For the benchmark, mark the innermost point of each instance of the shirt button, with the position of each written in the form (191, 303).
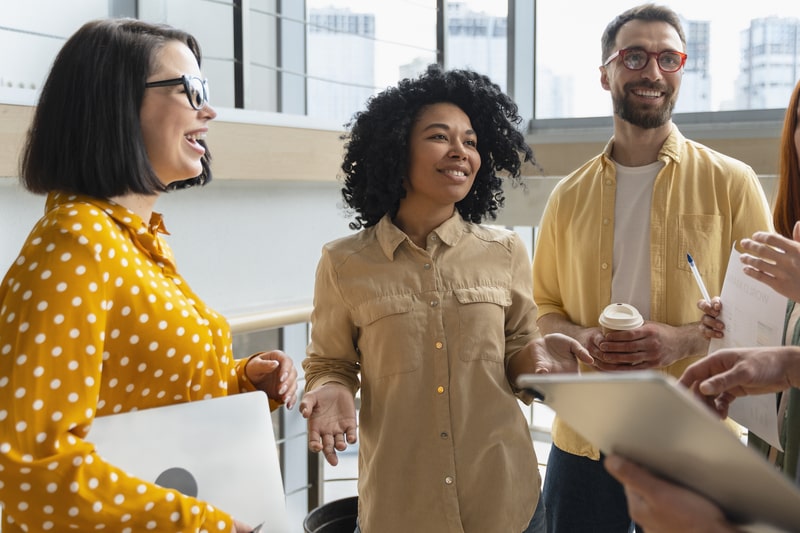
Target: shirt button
(438, 345)
(440, 389)
(448, 480)
(433, 237)
(605, 221)
(427, 266)
(604, 266)
(434, 303)
(608, 182)
(443, 435)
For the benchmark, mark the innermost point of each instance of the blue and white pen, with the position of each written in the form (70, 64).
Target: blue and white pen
(697, 278)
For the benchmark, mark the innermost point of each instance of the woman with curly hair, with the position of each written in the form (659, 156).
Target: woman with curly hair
(431, 315)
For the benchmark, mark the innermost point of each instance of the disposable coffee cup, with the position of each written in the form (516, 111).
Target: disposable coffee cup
(620, 317)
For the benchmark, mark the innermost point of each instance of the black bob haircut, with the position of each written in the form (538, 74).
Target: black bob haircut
(86, 134)
(377, 143)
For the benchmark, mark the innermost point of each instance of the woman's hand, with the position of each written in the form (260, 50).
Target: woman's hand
(274, 373)
(774, 260)
(331, 413)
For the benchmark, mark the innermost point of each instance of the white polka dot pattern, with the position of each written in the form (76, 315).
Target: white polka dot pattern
(95, 320)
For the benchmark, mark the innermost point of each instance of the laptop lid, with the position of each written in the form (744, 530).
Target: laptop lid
(221, 451)
(650, 418)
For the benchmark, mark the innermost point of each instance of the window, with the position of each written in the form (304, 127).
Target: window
(726, 49)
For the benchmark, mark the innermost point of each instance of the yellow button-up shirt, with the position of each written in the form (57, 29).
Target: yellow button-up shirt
(702, 203)
(444, 445)
(95, 320)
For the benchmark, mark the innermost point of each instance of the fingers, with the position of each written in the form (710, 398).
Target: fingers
(314, 441)
(584, 356)
(329, 449)
(328, 444)
(288, 387)
(307, 407)
(275, 373)
(712, 308)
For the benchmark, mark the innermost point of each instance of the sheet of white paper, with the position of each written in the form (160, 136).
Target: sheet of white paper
(753, 314)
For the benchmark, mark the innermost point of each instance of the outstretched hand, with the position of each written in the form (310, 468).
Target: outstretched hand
(559, 353)
(721, 377)
(331, 413)
(553, 353)
(774, 260)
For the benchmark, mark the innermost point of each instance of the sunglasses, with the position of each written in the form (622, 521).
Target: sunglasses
(196, 89)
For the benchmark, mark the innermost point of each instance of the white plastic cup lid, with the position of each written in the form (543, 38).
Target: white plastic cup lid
(621, 316)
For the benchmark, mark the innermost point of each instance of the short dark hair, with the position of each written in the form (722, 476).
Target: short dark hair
(377, 143)
(645, 12)
(86, 135)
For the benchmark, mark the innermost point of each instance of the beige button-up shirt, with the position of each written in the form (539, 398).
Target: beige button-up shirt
(443, 443)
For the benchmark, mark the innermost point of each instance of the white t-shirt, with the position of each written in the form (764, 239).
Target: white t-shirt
(630, 279)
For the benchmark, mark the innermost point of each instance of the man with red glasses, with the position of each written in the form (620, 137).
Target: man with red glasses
(619, 229)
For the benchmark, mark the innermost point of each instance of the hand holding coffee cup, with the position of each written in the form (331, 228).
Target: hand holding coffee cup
(620, 317)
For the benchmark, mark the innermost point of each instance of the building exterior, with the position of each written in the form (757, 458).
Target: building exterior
(770, 63)
(696, 85)
(478, 41)
(340, 62)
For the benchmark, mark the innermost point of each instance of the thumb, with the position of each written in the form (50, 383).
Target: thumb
(265, 366)
(713, 385)
(796, 231)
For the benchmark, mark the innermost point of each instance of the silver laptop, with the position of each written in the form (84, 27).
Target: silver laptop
(651, 419)
(221, 451)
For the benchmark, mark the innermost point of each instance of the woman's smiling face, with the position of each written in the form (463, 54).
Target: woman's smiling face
(443, 156)
(170, 125)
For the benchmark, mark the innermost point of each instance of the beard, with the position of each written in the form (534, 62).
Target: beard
(644, 117)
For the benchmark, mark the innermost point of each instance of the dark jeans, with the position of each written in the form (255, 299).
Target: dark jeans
(538, 522)
(580, 496)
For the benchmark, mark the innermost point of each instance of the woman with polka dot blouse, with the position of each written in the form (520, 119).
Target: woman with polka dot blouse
(94, 317)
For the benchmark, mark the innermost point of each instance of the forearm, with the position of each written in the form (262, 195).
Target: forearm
(558, 323)
(793, 365)
(690, 341)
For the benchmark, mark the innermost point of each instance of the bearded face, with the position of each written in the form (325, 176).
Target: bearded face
(631, 103)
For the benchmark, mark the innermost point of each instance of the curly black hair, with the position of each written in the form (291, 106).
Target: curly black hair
(377, 143)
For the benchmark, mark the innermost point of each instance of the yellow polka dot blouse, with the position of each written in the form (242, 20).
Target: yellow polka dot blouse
(95, 320)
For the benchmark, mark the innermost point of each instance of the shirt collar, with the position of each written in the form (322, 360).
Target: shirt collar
(390, 237)
(122, 215)
(669, 150)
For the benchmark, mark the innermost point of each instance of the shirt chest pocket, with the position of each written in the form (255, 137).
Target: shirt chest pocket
(701, 235)
(481, 323)
(389, 337)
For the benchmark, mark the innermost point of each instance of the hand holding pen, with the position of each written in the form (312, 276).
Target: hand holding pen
(698, 278)
(710, 325)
